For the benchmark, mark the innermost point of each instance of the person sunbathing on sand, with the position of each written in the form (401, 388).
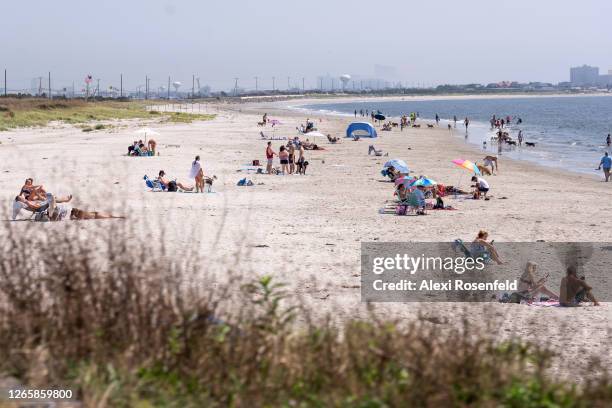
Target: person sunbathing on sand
(529, 287)
(76, 214)
(575, 290)
(480, 246)
(171, 185)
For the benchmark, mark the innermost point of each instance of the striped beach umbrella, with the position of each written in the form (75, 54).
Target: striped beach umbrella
(468, 165)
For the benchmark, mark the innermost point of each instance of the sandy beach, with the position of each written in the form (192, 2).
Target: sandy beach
(307, 230)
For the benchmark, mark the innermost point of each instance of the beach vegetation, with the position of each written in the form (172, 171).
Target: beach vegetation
(34, 112)
(99, 315)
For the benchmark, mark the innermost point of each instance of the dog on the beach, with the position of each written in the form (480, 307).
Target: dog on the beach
(450, 127)
(511, 142)
(530, 144)
(416, 126)
(301, 167)
(261, 124)
(394, 124)
(430, 126)
(484, 170)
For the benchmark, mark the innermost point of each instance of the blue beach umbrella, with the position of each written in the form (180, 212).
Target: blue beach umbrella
(398, 165)
(424, 181)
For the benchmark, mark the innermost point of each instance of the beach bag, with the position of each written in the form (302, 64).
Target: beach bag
(401, 210)
(256, 163)
(172, 187)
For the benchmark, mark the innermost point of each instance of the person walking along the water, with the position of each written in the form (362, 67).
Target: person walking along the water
(606, 164)
(608, 140)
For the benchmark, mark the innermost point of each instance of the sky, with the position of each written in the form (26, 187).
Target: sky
(428, 42)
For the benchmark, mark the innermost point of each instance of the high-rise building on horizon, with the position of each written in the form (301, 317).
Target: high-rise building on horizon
(584, 76)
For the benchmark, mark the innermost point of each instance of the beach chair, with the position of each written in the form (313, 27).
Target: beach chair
(460, 246)
(154, 185)
(39, 215)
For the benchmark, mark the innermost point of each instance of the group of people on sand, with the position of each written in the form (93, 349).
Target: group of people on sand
(573, 289)
(138, 148)
(292, 157)
(196, 173)
(47, 207)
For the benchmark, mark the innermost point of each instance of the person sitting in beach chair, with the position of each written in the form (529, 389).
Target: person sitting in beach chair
(529, 287)
(481, 248)
(171, 185)
(575, 290)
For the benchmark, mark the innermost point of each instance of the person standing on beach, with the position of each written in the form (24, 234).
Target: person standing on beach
(270, 157)
(197, 174)
(437, 120)
(606, 163)
(466, 122)
(455, 120)
(355, 112)
(608, 140)
(520, 138)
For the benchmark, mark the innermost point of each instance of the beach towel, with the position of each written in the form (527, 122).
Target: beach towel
(195, 169)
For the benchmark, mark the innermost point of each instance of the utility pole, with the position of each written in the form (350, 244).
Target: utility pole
(146, 87)
(5, 92)
(273, 84)
(256, 84)
(321, 84)
(168, 88)
(303, 84)
(121, 87)
(98, 87)
(50, 85)
(193, 86)
(236, 87)
(288, 85)
(39, 86)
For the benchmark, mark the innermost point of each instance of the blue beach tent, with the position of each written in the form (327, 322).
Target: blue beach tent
(361, 127)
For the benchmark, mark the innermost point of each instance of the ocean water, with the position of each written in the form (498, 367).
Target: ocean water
(569, 132)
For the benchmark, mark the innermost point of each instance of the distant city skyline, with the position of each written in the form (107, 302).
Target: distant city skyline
(428, 43)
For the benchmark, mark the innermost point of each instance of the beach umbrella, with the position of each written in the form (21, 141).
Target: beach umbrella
(405, 180)
(468, 165)
(314, 134)
(146, 131)
(423, 181)
(398, 165)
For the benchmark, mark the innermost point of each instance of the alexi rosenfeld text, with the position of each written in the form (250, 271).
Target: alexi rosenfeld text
(413, 265)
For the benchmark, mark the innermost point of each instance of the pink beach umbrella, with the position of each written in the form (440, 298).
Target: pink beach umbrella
(468, 165)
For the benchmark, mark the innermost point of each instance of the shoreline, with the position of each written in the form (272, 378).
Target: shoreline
(482, 128)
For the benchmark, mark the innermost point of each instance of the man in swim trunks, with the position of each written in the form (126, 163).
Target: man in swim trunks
(575, 290)
(270, 157)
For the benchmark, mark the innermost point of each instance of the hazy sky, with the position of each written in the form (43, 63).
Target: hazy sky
(441, 41)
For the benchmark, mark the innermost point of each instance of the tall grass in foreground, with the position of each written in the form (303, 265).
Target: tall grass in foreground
(17, 113)
(118, 322)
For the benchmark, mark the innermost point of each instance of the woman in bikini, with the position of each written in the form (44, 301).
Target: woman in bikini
(529, 287)
(283, 155)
